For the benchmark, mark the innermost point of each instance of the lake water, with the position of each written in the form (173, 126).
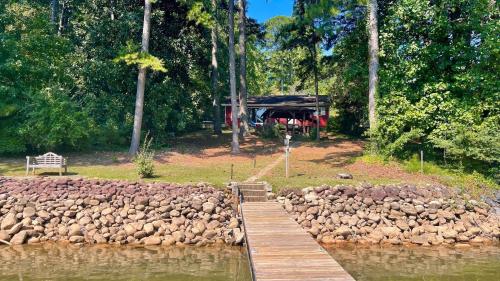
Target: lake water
(68, 262)
(376, 263)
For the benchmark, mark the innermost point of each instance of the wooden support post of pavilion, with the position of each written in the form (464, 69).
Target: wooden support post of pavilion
(303, 123)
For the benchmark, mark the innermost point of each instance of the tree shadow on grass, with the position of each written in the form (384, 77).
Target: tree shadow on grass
(55, 173)
(337, 159)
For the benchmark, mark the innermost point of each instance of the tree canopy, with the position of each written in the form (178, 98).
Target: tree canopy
(68, 72)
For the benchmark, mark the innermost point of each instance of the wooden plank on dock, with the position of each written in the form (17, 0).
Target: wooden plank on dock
(280, 250)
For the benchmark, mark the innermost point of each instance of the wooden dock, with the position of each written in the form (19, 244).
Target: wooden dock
(280, 250)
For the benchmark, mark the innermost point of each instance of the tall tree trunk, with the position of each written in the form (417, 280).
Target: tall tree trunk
(235, 146)
(214, 74)
(316, 93)
(141, 82)
(112, 9)
(373, 62)
(54, 5)
(243, 70)
(62, 19)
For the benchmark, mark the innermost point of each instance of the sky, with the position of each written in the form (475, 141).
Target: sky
(262, 10)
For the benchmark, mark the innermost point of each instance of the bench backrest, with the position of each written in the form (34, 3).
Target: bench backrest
(50, 159)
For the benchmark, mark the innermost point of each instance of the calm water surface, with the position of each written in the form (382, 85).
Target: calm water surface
(68, 262)
(419, 263)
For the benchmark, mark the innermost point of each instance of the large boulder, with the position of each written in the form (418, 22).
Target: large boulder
(19, 238)
(208, 207)
(8, 221)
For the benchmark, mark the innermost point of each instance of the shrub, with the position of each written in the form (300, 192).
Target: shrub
(144, 159)
(313, 133)
(272, 130)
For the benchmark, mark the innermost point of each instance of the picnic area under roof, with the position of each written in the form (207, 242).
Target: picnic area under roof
(283, 101)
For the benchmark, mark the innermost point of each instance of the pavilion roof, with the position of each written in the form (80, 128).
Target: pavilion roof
(283, 101)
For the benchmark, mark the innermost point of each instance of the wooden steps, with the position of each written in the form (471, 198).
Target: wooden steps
(253, 192)
(280, 250)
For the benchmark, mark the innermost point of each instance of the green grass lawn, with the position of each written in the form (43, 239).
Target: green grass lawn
(218, 174)
(205, 158)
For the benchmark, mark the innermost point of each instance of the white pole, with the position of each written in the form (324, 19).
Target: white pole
(421, 161)
(286, 162)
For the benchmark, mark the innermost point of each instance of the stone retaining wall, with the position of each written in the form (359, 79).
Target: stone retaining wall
(120, 212)
(117, 212)
(391, 214)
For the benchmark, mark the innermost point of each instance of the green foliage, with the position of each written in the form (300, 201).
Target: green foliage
(68, 91)
(199, 14)
(54, 121)
(272, 131)
(435, 80)
(348, 82)
(144, 160)
(281, 66)
(313, 133)
(479, 142)
(131, 56)
(439, 63)
(438, 87)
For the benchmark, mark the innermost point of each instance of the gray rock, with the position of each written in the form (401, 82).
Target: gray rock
(149, 228)
(368, 201)
(420, 239)
(74, 230)
(374, 217)
(107, 211)
(233, 223)
(434, 204)
(208, 207)
(93, 202)
(19, 238)
(179, 236)
(209, 234)
(168, 240)
(63, 230)
(140, 234)
(99, 239)
(4, 235)
(312, 210)
(343, 231)
(28, 212)
(394, 206)
(390, 231)
(310, 197)
(449, 234)
(314, 231)
(408, 209)
(402, 225)
(174, 213)
(43, 214)
(129, 229)
(152, 240)
(345, 176)
(8, 221)
(76, 239)
(15, 229)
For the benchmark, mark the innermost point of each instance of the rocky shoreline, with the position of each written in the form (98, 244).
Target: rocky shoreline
(402, 214)
(115, 212)
(85, 211)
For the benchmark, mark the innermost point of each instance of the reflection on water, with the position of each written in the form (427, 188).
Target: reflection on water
(419, 263)
(67, 262)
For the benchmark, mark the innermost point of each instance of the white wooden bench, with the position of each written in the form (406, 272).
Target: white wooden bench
(48, 160)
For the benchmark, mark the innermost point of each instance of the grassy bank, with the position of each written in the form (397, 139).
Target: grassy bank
(202, 157)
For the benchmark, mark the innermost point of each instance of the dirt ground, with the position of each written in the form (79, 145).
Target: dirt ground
(205, 157)
(315, 164)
